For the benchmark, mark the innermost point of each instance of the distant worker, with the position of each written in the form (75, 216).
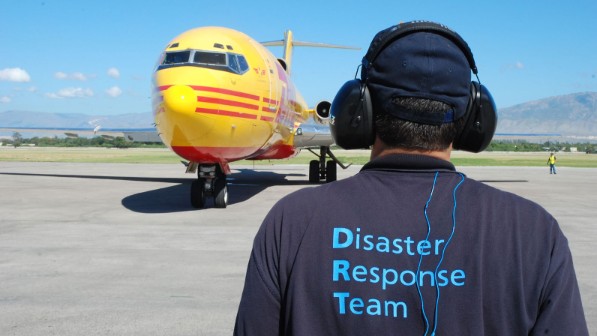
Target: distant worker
(551, 161)
(409, 245)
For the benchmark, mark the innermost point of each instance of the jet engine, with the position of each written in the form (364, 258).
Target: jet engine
(322, 111)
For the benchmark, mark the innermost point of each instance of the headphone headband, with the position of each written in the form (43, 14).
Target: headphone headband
(352, 111)
(389, 35)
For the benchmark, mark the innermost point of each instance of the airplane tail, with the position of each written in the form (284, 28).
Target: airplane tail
(288, 43)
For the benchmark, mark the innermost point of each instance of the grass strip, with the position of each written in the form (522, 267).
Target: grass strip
(165, 156)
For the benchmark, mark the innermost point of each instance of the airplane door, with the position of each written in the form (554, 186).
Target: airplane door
(273, 91)
(267, 72)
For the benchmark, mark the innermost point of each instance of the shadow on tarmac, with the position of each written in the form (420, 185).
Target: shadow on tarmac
(243, 184)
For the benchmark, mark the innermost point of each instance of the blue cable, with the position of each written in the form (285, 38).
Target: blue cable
(435, 313)
(421, 255)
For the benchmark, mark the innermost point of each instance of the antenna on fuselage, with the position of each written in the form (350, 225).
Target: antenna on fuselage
(288, 42)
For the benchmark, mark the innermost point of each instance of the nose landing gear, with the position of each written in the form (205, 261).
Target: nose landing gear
(211, 178)
(211, 181)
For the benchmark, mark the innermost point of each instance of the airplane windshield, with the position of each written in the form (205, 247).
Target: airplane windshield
(177, 57)
(209, 58)
(229, 62)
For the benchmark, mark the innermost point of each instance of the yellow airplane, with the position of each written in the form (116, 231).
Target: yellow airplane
(219, 96)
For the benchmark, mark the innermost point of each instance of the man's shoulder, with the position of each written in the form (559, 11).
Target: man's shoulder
(482, 189)
(321, 201)
(480, 194)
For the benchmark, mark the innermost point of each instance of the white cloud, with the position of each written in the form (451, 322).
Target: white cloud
(53, 95)
(29, 89)
(74, 76)
(79, 76)
(71, 93)
(114, 91)
(5, 99)
(60, 75)
(114, 73)
(518, 65)
(14, 75)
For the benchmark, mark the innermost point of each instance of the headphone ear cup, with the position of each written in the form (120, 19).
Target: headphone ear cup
(481, 121)
(351, 116)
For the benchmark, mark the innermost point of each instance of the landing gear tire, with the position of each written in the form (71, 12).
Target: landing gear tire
(221, 193)
(197, 194)
(330, 171)
(314, 171)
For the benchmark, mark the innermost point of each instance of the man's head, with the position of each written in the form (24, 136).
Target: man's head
(419, 86)
(415, 81)
(398, 133)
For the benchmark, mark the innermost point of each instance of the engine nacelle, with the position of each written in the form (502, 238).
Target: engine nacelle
(322, 111)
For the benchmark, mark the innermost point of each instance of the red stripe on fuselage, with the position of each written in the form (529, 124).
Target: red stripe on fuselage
(225, 91)
(268, 109)
(227, 102)
(216, 90)
(270, 101)
(272, 105)
(226, 113)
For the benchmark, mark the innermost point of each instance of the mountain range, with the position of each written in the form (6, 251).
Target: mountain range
(570, 115)
(26, 119)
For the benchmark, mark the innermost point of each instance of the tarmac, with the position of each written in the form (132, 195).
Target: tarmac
(117, 249)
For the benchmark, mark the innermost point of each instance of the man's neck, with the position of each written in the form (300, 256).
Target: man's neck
(380, 149)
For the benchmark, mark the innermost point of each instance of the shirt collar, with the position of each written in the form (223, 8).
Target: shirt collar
(408, 162)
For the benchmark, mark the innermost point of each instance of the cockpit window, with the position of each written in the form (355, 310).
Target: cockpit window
(230, 62)
(233, 63)
(242, 62)
(177, 57)
(209, 58)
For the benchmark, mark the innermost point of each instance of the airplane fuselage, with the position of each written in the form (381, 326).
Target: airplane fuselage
(220, 96)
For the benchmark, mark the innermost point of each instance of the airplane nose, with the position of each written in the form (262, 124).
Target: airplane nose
(180, 98)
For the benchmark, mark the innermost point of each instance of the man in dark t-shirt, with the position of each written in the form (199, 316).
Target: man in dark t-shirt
(409, 245)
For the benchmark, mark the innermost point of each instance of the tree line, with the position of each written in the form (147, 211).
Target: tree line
(549, 146)
(98, 141)
(120, 142)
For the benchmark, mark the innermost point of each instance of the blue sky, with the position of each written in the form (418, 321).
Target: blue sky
(97, 57)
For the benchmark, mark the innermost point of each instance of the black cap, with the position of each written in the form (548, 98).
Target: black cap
(422, 64)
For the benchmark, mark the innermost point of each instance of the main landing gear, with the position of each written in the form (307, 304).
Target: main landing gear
(322, 170)
(211, 181)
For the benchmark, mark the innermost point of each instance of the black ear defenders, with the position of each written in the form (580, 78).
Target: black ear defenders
(352, 116)
(481, 121)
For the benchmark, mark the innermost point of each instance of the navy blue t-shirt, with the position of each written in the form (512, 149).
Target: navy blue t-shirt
(409, 246)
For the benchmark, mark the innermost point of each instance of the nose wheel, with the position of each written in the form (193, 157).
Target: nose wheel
(210, 182)
(221, 193)
(197, 194)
